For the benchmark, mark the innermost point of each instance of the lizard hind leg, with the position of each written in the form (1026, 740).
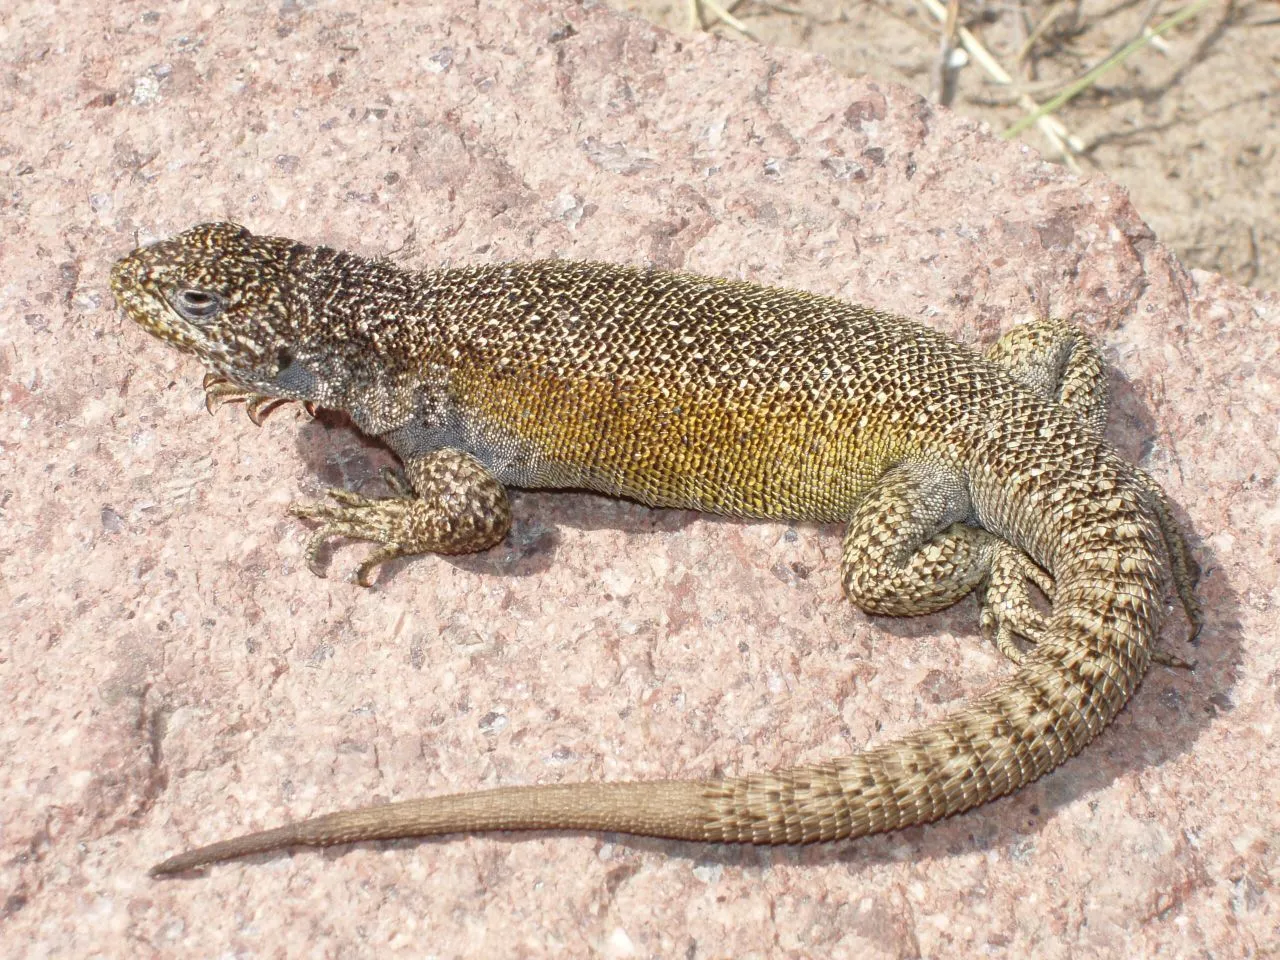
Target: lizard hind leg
(906, 553)
(1186, 572)
(447, 503)
(1059, 361)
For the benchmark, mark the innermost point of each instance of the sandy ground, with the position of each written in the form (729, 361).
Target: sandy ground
(1190, 125)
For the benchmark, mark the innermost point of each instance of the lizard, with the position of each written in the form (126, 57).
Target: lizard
(955, 471)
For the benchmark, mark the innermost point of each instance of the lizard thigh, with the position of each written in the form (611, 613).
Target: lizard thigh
(905, 552)
(1059, 361)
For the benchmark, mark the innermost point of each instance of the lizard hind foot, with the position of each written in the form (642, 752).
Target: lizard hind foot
(1009, 613)
(1008, 609)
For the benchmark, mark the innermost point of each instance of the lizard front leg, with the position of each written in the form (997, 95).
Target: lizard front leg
(449, 503)
(905, 553)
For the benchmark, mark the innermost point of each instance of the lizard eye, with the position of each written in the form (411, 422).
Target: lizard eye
(197, 305)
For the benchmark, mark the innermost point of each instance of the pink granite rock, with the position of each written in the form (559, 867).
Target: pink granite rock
(172, 674)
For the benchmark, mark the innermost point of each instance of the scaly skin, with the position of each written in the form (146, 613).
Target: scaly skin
(954, 471)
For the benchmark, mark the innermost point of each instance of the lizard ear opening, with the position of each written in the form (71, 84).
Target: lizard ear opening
(197, 305)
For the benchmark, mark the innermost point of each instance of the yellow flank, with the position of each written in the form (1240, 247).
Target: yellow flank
(718, 457)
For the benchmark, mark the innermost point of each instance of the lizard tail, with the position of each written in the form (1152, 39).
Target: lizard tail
(1107, 607)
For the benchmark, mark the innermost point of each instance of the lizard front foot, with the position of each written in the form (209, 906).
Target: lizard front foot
(448, 504)
(381, 520)
(218, 390)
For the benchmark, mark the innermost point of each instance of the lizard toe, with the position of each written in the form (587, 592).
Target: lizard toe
(1009, 611)
(384, 521)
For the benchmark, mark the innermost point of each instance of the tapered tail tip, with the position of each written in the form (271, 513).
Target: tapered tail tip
(170, 867)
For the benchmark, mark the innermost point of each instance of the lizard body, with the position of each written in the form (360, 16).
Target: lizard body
(955, 471)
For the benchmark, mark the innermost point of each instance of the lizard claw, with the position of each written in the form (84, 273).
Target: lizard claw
(1008, 611)
(259, 407)
(397, 482)
(218, 390)
(1167, 659)
(380, 520)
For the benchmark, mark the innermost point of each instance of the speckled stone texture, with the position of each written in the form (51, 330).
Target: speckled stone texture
(172, 674)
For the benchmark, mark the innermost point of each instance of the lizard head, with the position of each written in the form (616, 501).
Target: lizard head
(223, 294)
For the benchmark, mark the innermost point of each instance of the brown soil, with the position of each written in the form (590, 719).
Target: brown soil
(1190, 124)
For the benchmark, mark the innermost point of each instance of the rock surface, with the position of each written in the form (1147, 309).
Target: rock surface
(172, 674)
